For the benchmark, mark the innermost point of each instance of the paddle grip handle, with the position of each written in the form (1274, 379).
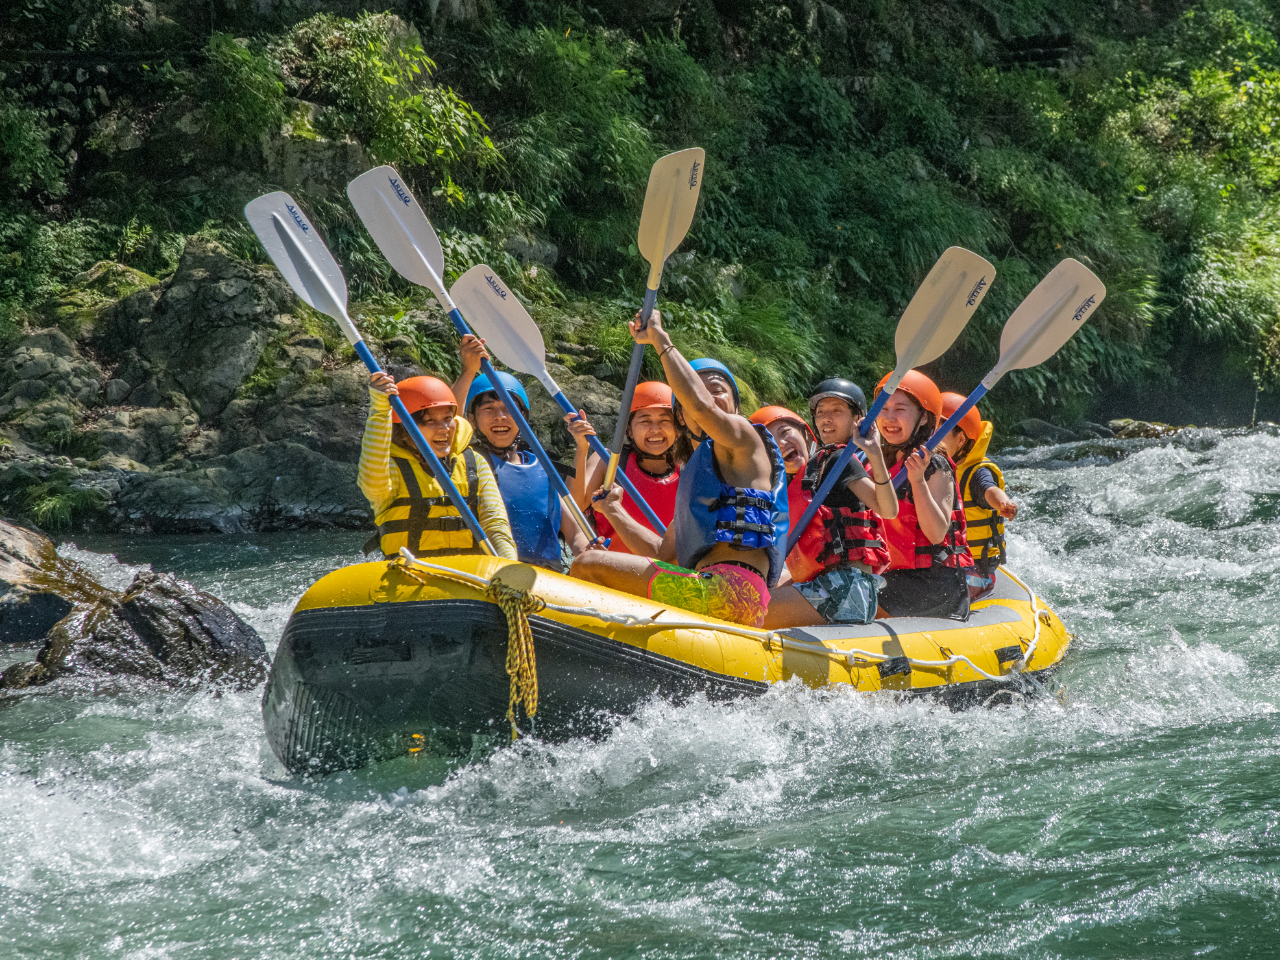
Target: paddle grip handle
(602, 452)
(433, 462)
(646, 308)
(951, 423)
(553, 475)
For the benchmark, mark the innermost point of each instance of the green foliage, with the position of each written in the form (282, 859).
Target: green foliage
(54, 505)
(436, 357)
(243, 94)
(26, 161)
(376, 77)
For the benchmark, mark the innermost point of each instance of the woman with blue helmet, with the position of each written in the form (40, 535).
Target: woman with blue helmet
(537, 519)
(724, 550)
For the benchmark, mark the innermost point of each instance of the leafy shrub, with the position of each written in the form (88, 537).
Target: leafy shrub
(243, 94)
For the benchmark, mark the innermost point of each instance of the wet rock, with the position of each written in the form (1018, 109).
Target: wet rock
(37, 587)
(1043, 431)
(160, 629)
(1096, 430)
(201, 332)
(272, 486)
(1140, 429)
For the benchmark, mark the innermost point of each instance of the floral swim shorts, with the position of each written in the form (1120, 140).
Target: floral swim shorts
(725, 591)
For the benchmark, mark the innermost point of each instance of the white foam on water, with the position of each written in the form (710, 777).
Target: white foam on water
(103, 567)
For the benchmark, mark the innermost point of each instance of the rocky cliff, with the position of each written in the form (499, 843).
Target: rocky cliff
(211, 401)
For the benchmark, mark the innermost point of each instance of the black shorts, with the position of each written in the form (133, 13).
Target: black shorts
(935, 592)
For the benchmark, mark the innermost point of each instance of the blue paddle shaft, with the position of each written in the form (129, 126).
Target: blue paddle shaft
(600, 451)
(433, 462)
(633, 374)
(835, 472)
(553, 475)
(952, 422)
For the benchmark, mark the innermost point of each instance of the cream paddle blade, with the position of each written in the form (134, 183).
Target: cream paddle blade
(670, 201)
(399, 227)
(1043, 322)
(941, 307)
(1046, 319)
(669, 204)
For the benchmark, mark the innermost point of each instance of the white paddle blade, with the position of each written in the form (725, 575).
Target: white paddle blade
(1051, 313)
(669, 204)
(941, 307)
(301, 256)
(399, 227)
(498, 317)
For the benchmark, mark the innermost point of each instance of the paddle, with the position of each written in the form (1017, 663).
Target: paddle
(669, 203)
(930, 324)
(309, 268)
(1043, 322)
(406, 238)
(515, 339)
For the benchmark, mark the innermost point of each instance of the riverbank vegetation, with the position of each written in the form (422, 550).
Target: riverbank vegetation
(848, 144)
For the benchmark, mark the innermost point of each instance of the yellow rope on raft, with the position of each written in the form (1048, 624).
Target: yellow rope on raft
(522, 662)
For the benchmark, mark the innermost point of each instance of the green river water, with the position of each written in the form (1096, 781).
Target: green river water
(1136, 815)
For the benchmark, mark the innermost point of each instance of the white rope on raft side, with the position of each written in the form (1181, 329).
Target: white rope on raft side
(764, 637)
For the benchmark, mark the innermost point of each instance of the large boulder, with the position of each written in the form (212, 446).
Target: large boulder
(160, 629)
(37, 586)
(43, 366)
(200, 333)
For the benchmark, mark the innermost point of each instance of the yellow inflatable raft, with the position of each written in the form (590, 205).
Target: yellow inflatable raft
(382, 659)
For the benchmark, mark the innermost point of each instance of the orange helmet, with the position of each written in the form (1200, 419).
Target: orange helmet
(420, 393)
(970, 423)
(921, 387)
(767, 415)
(651, 393)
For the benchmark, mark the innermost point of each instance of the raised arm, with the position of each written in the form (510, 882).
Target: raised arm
(732, 433)
(878, 493)
(471, 351)
(588, 469)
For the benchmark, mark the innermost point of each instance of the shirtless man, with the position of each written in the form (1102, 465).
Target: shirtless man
(729, 532)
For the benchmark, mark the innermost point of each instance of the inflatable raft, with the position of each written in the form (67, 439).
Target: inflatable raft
(388, 658)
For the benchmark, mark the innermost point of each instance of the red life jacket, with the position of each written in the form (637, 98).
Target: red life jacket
(909, 548)
(658, 492)
(802, 560)
(845, 532)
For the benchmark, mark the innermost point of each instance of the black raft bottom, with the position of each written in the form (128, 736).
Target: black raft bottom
(350, 685)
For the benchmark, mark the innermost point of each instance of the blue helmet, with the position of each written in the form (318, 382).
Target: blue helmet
(706, 363)
(481, 385)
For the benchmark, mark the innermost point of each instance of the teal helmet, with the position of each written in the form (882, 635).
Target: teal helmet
(481, 385)
(706, 363)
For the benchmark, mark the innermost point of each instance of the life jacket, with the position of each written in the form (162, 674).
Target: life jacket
(801, 561)
(847, 530)
(985, 531)
(909, 548)
(533, 508)
(709, 511)
(658, 492)
(429, 526)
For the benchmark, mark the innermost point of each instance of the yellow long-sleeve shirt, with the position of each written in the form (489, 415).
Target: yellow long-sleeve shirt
(382, 484)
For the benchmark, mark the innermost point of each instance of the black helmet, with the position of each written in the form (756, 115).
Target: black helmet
(842, 389)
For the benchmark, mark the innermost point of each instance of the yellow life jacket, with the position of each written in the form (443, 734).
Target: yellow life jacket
(421, 517)
(985, 526)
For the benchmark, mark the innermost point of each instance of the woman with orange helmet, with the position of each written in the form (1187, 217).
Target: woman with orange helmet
(927, 547)
(986, 505)
(648, 460)
(409, 506)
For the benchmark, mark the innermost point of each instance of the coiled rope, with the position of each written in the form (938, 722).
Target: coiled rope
(522, 659)
(767, 638)
(522, 662)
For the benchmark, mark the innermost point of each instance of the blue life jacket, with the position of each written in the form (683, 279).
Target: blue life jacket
(709, 511)
(533, 509)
